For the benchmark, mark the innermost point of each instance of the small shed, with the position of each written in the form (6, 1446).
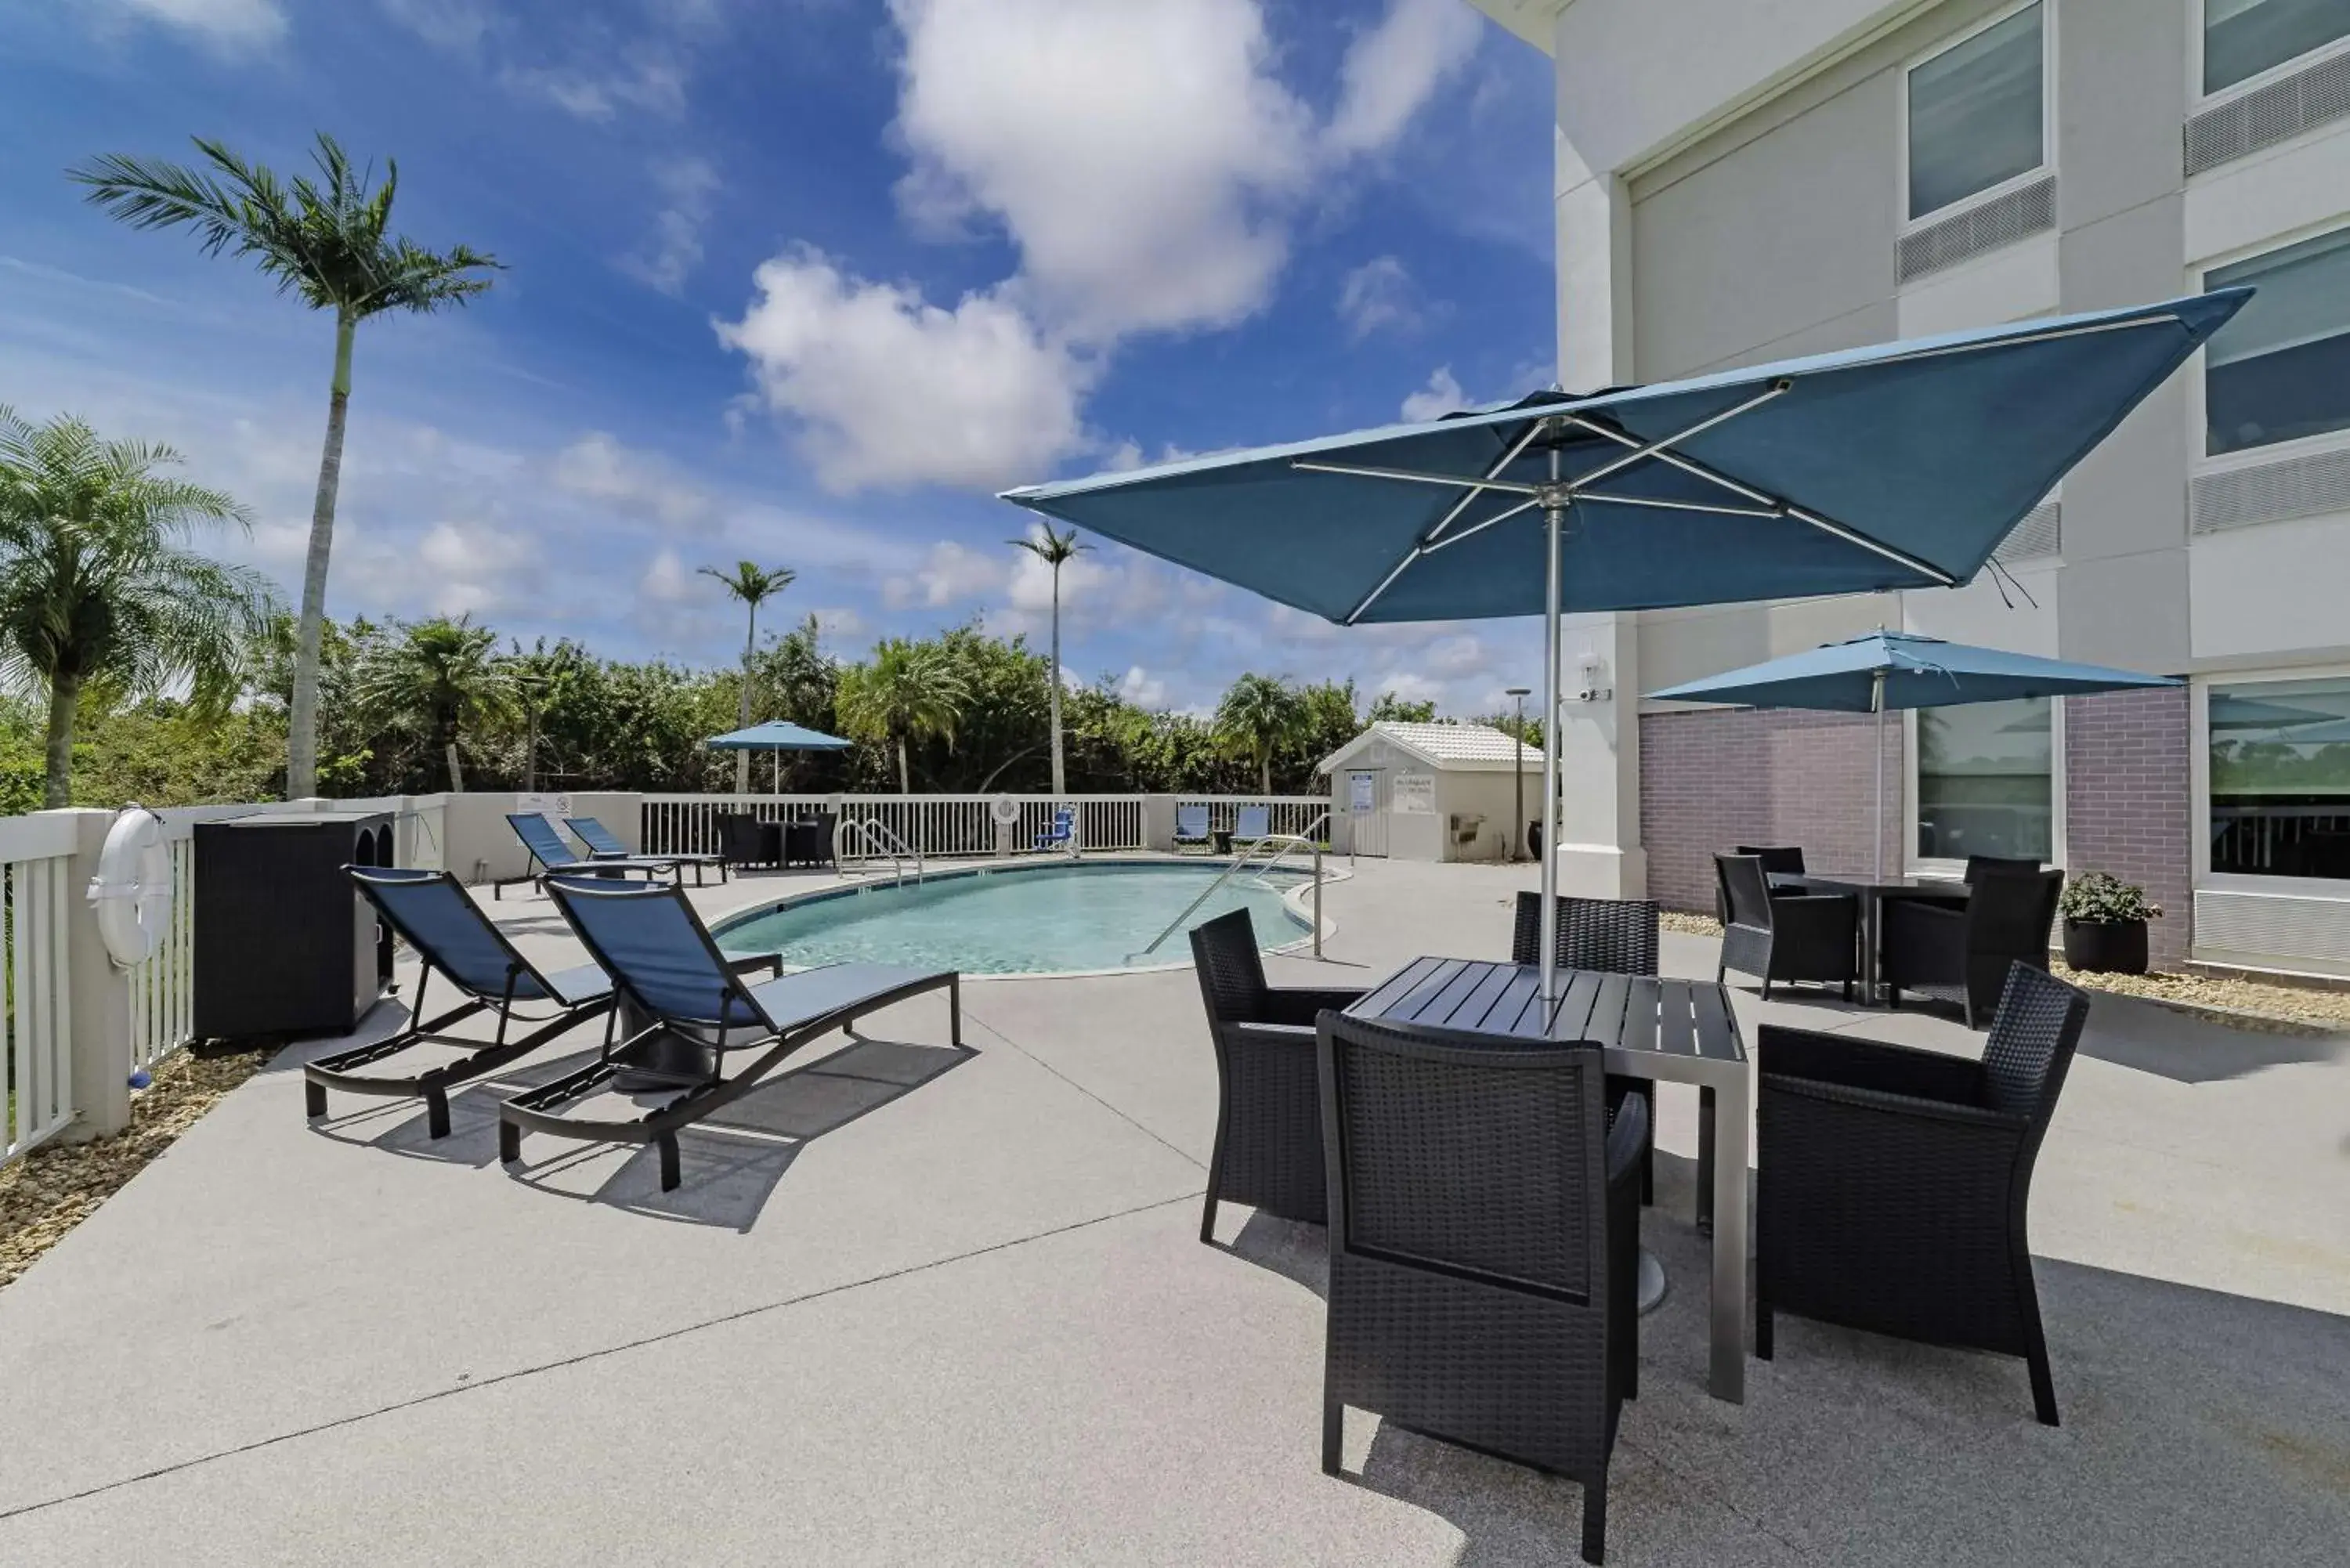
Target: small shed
(1431, 792)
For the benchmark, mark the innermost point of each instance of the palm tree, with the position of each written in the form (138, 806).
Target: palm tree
(1258, 716)
(325, 240)
(1055, 550)
(907, 692)
(437, 677)
(754, 585)
(95, 587)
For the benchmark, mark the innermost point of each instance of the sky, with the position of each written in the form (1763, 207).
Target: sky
(803, 282)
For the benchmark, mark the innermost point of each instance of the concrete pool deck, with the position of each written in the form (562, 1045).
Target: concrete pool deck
(922, 1306)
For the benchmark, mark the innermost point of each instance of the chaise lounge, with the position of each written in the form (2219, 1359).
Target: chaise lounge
(549, 855)
(603, 843)
(436, 918)
(688, 1007)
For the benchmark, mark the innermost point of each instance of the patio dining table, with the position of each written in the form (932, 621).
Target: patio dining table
(1666, 1030)
(1874, 893)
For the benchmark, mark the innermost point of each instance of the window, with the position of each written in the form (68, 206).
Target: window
(2241, 38)
(2281, 370)
(1987, 781)
(1977, 114)
(2281, 779)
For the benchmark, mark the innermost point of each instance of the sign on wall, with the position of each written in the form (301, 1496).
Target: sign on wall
(552, 805)
(1359, 797)
(1414, 793)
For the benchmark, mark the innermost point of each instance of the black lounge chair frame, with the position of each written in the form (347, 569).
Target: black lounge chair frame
(641, 1054)
(585, 829)
(342, 1073)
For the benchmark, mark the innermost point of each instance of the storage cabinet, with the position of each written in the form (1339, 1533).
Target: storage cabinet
(284, 946)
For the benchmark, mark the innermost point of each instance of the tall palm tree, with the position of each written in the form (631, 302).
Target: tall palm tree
(95, 585)
(1056, 550)
(439, 677)
(907, 692)
(1257, 717)
(754, 585)
(325, 240)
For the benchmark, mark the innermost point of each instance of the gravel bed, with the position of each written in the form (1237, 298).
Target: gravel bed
(1691, 925)
(53, 1189)
(2302, 1004)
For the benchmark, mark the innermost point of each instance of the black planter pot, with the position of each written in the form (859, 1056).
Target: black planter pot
(2116, 949)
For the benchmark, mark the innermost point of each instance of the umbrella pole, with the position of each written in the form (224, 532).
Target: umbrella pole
(1876, 700)
(1553, 518)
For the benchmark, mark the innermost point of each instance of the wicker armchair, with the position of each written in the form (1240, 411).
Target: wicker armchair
(1894, 1183)
(1777, 861)
(1612, 935)
(1785, 936)
(1962, 954)
(1484, 1236)
(1268, 1151)
(744, 840)
(1977, 864)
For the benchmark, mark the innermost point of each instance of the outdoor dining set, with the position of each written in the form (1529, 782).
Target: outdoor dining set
(1478, 1148)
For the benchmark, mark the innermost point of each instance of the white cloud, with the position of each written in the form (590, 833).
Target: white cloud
(1442, 396)
(1378, 294)
(1142, 689)
(1390, 71)
(598, 467)
(850, 359)
(643, 76)
(949, 574)
(1138, 154)
(839, 621)
(226, 25)
(674, 248)
(1410, 686)
(464, 568)
(457, 26)
(667, 581)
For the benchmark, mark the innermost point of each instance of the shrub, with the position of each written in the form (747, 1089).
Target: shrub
(2101, 898)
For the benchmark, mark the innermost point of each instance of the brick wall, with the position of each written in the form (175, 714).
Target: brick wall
(2129, 802)
(1711, 781)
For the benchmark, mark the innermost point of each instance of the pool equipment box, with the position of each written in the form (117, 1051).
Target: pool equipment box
(283, 944)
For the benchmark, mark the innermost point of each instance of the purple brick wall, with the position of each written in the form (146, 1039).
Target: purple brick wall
(2129, 803)
(1711, 781)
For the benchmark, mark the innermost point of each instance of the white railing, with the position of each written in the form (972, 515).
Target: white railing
(36, 1027)
(931, 826)
(162, 988)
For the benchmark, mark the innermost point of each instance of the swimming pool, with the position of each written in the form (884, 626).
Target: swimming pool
(1039, 920)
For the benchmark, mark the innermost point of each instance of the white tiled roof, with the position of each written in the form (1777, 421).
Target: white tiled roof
(1465, 746)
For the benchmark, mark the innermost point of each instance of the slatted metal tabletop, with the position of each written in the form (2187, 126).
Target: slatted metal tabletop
(1668, 1030)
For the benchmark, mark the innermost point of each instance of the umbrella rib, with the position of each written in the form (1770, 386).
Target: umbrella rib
(1449, 481)
(1499, 466)
(1656, 448)
(1470, 533)
(1678, 505)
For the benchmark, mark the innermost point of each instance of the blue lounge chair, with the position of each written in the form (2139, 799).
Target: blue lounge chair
(1064, 831)
(689, 1006)
(1253, 823)
(549, 855)
(1192, 826)
(603, 843)
(432, 913)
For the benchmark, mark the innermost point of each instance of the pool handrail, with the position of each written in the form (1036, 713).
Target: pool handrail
(870, 838)
(1281, 844)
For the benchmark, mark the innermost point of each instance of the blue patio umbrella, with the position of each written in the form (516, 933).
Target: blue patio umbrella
(778, 735)
(1901, 466)
(1890, 672)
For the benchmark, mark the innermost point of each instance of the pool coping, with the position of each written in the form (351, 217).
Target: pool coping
(1295, 900)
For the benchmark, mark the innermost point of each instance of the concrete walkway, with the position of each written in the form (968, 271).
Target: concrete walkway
(915, 1304)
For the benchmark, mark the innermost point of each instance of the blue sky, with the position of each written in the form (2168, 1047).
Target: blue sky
(804, 281)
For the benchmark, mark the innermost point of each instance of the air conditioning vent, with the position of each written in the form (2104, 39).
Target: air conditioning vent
(2270, 492)
(2273, 930)
(2017, 215)
(2040, 534)
(2277, 112)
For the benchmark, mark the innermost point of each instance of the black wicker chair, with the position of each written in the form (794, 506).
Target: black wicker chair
(1484, 1236)
(1781, 860)
(1268, 1151)
(1979, 863)
(1785, 936)
(744, 840)
(1894, 1183)
(1962, 954)
(1612, 935)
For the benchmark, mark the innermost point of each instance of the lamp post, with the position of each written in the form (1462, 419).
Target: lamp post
(1518, 773)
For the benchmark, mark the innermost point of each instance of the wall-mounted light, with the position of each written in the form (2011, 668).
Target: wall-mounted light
(1596, 686)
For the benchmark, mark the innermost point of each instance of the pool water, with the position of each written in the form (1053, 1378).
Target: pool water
(1048, 920)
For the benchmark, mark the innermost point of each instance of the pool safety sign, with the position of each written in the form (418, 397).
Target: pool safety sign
(1415, 793)
(1360, 795)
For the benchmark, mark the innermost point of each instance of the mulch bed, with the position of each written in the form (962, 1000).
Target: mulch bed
(53, 1189)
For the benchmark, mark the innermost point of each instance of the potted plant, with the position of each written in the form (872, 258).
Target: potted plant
(2104, 923)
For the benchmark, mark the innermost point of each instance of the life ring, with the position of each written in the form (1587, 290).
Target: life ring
(1005, 810)
(132, 889)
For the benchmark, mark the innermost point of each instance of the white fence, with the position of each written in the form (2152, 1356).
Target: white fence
(37, 1048)
(1289, 813)
(946, 824)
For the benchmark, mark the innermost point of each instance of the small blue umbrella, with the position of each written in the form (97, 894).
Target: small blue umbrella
(1890, 672)
(1900, 466)
(778, 735)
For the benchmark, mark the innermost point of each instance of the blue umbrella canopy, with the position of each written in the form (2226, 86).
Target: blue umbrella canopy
(1898, 466)
(1917, 671)
(778, 735)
